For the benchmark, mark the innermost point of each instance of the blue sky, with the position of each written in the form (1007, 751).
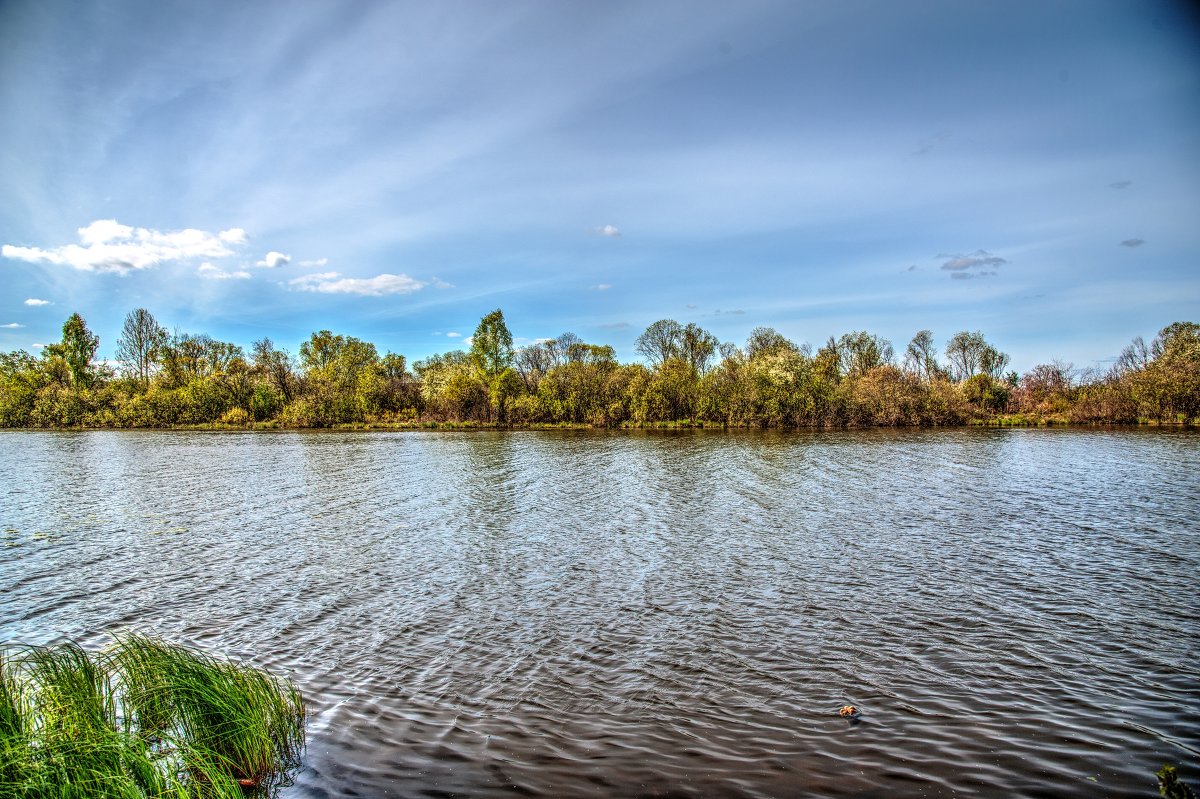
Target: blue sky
(394, 170)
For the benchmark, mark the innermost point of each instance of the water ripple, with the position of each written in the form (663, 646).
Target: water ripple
(650, 614)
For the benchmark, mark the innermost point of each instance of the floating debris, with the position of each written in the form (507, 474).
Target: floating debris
(849, 712)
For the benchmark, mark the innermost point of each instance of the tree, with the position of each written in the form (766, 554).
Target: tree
(766, 341)
(861, 352)
(697, 346)
(661, 341)
(275, 367)
(920, 356)
(667, 339)
(142, 339)
(492, 355)
(76, 350)
(970, 354)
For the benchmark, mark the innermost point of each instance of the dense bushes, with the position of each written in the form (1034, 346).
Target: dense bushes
(854, 380)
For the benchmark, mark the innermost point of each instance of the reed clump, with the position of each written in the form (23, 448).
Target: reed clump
(142, 719)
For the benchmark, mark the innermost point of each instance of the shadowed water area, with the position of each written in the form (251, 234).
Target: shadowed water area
(640, 614)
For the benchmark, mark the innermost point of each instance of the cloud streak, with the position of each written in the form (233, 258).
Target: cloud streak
(1133, 242)
(36, 303)
(378, 286)
(959, 262)
(210, 272)
(107, 246)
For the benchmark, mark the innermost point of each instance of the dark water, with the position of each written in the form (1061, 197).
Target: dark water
(590, 614)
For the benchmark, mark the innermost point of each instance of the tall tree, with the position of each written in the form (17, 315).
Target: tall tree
(77, 349)
(920, 356)
(139, 347)
(661, 341)
(697, 346)
(970, 354)
(492, 355)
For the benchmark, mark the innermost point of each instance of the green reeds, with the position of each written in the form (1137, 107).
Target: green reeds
(142, 719)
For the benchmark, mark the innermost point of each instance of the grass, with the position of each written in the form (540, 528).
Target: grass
(142, 719)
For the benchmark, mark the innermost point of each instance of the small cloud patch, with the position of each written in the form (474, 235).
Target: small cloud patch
(274, 260)
(615, 326)
(1133, 242)
(12, 326)
(609, 230)
(1120, 184)
(602, 287)
(36, 303)
(453, 335)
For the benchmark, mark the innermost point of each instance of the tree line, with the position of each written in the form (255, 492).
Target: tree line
(163, 379)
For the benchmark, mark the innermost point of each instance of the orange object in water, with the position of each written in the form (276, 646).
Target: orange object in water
(849, 712)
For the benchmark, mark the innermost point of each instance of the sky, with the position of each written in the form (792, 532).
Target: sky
(396, 170)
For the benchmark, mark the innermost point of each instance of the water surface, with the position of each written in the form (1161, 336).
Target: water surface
(640, 614)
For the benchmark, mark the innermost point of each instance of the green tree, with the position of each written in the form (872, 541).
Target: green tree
(77, 349)
(492, 355)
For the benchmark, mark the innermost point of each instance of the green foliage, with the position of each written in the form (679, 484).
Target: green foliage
(853, 380)
(144, 719)
(1170, 786)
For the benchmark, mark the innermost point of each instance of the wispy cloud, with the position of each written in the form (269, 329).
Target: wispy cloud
(1133, 242)
(108, 246)
(609, 230)
(958, 262)
(274, 260)
(980, 263)
(316, 263)
(1121, 184)
(12, 326)
(602, 287)
(35, 302)
(453, 335)
(614, 326)
(378, 286)
(210, 272)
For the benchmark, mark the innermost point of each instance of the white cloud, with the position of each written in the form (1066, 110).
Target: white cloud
(454, 335)
(317, 262)
(210, 272)
(38, 346)
(378, 286)
(273, 260)
(36, 302)
(608, 230)
(12, 326)
(603, 287)
(109, 246)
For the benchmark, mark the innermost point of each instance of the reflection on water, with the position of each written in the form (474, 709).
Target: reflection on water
(618, 614)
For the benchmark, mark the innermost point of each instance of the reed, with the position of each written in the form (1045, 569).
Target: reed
(142, 719)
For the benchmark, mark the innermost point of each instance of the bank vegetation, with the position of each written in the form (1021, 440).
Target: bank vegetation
(688, 377)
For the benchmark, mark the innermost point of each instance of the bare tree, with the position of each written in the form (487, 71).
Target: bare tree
(140, 345)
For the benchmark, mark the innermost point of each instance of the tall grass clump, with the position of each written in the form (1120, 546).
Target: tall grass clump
(142, 719)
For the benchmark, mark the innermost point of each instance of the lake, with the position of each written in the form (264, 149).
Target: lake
(675, 614)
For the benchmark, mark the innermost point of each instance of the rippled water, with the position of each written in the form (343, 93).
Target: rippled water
(639, 614)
